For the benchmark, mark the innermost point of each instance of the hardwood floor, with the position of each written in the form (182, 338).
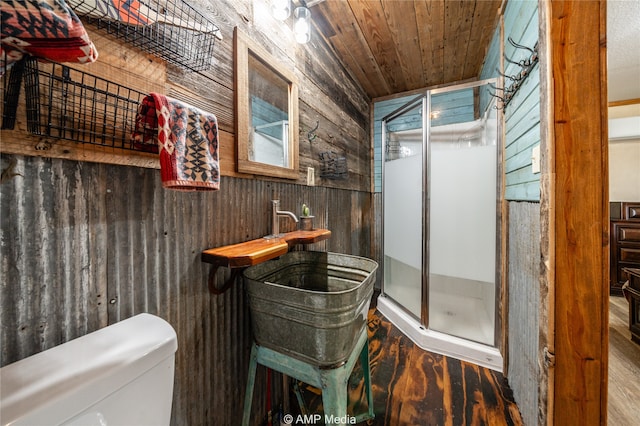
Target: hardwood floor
(413, 387)
(624, 367)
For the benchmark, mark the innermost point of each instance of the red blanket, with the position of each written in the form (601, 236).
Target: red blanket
(47, 29)
(186, 139)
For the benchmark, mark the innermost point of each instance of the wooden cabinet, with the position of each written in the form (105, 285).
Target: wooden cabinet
(624, 245)
(632, 293)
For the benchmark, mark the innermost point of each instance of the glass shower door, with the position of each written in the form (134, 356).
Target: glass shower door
(403, 207)
(441, 233)
(462, 205)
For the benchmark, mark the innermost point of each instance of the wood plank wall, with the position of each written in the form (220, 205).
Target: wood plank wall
(89, 236)
(85, 245)
(522, 115)
(327, 95)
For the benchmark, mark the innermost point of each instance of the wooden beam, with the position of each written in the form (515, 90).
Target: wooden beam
(546, 348)
(578, 212)
(625, 102)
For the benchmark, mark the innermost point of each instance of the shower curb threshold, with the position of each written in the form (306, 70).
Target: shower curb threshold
(433, 341)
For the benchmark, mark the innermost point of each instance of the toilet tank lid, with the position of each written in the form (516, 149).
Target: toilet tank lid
(103, 360)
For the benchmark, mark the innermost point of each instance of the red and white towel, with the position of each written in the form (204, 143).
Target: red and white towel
(47, 29)
(186, 139)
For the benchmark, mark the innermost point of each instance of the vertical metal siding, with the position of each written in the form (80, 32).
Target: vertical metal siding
(51, 291)
(524, 306)
(84, 245)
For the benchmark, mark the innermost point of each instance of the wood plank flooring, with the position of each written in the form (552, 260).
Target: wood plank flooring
(624, 367)
(413, 387)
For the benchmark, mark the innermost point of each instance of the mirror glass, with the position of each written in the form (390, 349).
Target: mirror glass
(267, 114)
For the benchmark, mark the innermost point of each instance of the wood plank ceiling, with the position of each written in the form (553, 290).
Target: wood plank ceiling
(393, 46)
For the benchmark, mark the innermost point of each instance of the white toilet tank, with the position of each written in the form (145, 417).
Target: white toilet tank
(119, 375)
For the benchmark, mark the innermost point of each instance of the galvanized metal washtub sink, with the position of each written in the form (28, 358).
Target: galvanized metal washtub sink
(311, 305)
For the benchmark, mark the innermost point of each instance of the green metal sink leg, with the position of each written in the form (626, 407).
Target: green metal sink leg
(333, 382)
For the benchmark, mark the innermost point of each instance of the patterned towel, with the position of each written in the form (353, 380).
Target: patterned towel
(47, 29)
(187, 140)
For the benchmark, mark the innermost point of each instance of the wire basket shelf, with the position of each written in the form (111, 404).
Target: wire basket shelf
(170, 29)
(64, 103)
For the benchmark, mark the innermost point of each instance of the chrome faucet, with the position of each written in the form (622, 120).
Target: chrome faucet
(276, 213)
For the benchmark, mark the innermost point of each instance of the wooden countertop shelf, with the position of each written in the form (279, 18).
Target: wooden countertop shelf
(242, 255)
(245, 254)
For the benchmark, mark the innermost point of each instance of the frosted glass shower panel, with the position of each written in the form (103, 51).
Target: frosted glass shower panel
(403, 208)
(463, 212)
(462, 218)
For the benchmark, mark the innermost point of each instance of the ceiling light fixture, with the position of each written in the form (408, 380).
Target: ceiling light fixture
(281, 9)
(302, 24)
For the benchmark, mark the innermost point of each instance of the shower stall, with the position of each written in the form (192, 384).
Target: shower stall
(441, 195)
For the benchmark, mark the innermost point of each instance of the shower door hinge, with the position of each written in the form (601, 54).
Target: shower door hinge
(549, 358)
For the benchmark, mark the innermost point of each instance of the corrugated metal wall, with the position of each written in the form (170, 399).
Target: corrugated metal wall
(84, 245)
(524, 306)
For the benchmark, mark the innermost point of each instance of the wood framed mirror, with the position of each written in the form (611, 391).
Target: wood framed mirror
(266, 112)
